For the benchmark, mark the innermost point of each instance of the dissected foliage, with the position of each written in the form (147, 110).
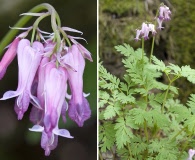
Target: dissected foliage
(142, 117)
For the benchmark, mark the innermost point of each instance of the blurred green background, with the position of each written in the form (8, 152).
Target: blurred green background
(118, 21)
(16, 141)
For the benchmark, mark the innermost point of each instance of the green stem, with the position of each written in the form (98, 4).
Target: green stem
(146, 131)
(54, 17)
(58, 19)
(173, 139)
(186, 142)
(54, 26)
(12, 33)
(170, 82)
(129, 149)
(165, 98)
(100, 155)
(65, 36)
(142, 48)
(152, 49)
(35, 25)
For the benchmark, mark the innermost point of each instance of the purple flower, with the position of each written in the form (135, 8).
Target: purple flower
(159, 23)
(145, 31)
(8, 57)
(152, 28)
(161, 12)
(138, 33)
(191, 153)
(28, 61)
(78, 109)
(36, 115)
(167, 13)
(55, 86)
(164, 13)
(86, 54)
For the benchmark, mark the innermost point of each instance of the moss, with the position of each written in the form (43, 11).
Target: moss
(119, 19)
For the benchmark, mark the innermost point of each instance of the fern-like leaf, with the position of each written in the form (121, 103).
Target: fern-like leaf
(123, 133)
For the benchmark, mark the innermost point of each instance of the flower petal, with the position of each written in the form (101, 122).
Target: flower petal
(35, 101)
(10, 94)
(62, 132)
(37, 128)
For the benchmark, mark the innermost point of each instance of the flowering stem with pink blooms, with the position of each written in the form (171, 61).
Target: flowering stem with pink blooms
(48, 64)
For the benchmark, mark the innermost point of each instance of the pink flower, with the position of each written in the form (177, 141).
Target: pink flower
(36, 115)
(78, 109)
(86, 54)
(145, 31)
(28, 61)
(8, 57)
(152, 28)
(55, 86)
(138, 33)
(159, 23)
(164, 13)
(191, 153)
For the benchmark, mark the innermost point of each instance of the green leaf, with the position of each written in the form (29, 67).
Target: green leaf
(123, 133)
(175, 69)
(188, 73)
(180, 111)
(103, 98)
(124, 86)
(190, 124)
(125, 49)
(156, 100)
(106, 136)
(159, 64)
(130, 122)
(163, 149)
(191, 103)
(138, 115)
(111, 111)
(158, 118)
(125, 99)
(138, 145)
(107, 80)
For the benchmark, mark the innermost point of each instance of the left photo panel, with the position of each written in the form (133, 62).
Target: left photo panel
(48, 80)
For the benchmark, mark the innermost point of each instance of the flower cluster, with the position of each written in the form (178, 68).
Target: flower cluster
(145, 30)
(45, 68)
(164, 15)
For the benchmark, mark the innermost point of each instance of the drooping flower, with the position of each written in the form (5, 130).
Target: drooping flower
(161, 12)
(36, 115)
(145, 30)
(152, 28)
(55, 87)
(28, 61)
(164, 13)
(78, 107)
(86, 54)
(159, 23)
(8, 56)
(191, 153)
(138, 33)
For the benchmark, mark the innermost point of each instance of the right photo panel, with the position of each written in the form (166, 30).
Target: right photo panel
(146, 80)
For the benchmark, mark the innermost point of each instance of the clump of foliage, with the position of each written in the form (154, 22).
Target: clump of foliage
(140, 115)
(142, 118)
